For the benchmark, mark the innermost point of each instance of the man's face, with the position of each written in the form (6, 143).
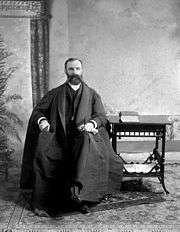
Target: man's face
(74, 72)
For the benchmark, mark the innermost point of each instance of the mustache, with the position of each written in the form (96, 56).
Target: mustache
(79, 77)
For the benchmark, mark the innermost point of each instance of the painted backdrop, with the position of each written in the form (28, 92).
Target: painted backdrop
(130, 49)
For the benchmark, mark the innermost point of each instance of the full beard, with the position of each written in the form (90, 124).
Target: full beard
(75, 79)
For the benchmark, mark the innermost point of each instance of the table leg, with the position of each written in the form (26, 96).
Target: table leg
(161, 179)
(162, 160)
(114, 141)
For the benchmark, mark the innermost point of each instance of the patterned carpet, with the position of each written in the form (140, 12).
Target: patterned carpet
(139, 207)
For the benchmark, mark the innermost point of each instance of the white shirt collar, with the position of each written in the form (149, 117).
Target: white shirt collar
(75, 87)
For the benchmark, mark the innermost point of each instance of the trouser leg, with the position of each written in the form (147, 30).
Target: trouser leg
(50, 192)
(41, 193)
(78, 155)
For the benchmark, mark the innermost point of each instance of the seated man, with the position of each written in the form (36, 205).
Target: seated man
(68, 158)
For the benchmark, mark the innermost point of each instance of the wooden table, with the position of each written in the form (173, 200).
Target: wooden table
(153, 166)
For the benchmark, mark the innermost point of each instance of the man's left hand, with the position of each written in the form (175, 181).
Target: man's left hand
(89, 127)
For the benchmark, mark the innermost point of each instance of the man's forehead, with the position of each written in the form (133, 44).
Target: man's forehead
(74, 63)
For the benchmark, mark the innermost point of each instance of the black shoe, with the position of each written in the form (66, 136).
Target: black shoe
(79, 205)
(84, 209)
(41, 213)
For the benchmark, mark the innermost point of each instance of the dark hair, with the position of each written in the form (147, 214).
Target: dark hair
(70, 60)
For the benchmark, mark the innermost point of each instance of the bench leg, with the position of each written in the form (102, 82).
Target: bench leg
(161, 179)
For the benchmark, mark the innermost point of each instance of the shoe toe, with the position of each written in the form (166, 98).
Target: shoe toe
(41, 213)
(84, 209)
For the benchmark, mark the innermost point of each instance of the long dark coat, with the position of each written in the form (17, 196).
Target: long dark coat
(98, 168)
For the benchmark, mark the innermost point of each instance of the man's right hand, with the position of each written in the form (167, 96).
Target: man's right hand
(44, 125)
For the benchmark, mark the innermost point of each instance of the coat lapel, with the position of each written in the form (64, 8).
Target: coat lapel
(83, 107)
(77, 100)
(61, 105)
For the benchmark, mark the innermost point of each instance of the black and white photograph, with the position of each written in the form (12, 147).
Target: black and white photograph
(89, 115)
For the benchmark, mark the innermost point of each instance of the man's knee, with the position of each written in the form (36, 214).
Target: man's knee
(83, 136)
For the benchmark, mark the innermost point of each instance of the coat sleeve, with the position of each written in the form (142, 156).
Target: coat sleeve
(98, 112)
(42, 109)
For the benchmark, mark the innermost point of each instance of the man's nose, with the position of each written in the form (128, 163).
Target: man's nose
(74, 71)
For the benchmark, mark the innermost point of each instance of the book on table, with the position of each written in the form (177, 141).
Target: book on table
(128, 118)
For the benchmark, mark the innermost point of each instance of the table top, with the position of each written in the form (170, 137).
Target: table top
(115, 120)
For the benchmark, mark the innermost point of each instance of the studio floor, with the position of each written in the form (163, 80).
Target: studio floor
(137, 207)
